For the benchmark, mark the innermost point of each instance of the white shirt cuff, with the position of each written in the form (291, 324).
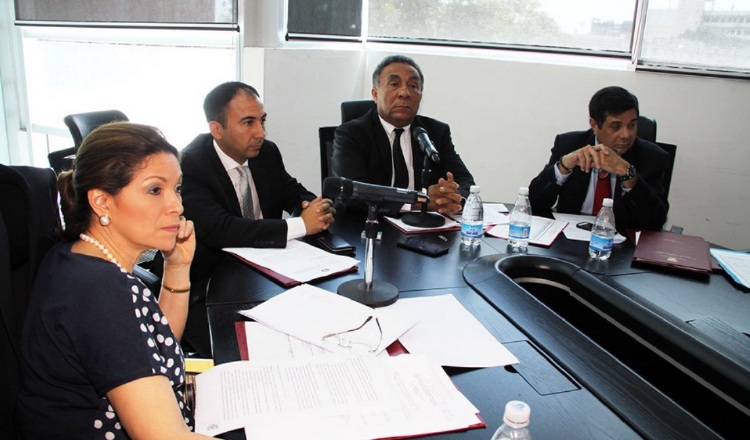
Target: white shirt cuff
(295, 228)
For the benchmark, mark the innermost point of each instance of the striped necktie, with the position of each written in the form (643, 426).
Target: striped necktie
(246, 195)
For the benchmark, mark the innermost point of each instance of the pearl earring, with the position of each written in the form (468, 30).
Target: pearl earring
(104, 220)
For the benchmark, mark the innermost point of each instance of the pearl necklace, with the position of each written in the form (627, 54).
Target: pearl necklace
(94, 242)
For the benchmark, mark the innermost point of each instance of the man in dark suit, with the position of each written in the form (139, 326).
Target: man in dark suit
(362, 149)
(631, 167)
(232, 207)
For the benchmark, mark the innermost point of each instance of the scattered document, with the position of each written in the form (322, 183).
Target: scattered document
(544, 231)
(449, 334)
(310, 313)
(449, 225)
(494, 214)
(735, 263)
(572, 232)
(331, 397)
(446, 333)
(298, 261)
(267, 344)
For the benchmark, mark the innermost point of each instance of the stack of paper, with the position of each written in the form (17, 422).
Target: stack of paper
(297, 263)
(544, 231)
(330, 392)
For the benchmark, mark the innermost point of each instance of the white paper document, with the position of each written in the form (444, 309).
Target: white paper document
(331, 397)
(309, 313)
(572, 232)
(494, 214)
(298, 260)
(446, 333)
(544, 231)
(734, 263)
(449, 335)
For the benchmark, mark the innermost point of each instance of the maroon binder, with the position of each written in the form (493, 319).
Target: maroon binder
(678, 251)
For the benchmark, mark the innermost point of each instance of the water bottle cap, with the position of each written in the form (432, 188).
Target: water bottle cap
(607, 202)
(474, 188)
(524, 191)
(517, 414)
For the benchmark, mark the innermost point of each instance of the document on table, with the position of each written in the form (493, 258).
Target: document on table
(494, 214)
(449, 335)
(572, 232)
(544, 231)
(331, 397)
(735, 263)
(297, 261)
(446, 333)
(308, 313)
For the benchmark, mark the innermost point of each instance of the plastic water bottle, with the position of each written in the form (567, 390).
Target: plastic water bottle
(520, 221)
(515, 422)
(603, 232)
(472, 219)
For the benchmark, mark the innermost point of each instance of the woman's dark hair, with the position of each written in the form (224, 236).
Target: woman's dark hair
(107, 159)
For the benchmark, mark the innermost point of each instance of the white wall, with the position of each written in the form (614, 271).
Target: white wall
(504, 115)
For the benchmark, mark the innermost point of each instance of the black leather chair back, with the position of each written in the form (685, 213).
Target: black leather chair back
(354, 109)
(672, 150)
(29, 221)
(325, 136)
(646, 128)
(81, 124)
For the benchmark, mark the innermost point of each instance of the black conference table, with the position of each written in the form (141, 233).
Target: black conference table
(606, 349)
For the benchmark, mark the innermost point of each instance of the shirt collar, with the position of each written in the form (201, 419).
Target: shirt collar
(226, 161)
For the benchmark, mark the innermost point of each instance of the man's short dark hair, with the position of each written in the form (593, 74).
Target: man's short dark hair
(391, 60)
(217, 101)
(611, 101)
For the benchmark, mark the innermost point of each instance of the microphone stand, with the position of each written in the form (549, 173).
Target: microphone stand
(424, 219)
(370, 292)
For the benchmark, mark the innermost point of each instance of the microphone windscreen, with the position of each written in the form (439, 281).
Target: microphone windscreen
(418, 131)
(337, 187)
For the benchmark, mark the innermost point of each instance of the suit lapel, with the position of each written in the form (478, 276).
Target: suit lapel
(383, 146)
(222, 176)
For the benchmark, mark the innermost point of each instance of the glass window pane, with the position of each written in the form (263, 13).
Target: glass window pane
(698, 34)
(152, 80)
(325, 17)
(133, 11)
(599, 25)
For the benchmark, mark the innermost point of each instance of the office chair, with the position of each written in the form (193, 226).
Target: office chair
(30, 221)
(80, 125)
(354, 109)
(325, 135)
(646, 128)
(671, 149)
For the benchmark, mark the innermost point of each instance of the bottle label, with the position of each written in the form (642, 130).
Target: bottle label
(601, 244)
(468, 230)
(520, 232)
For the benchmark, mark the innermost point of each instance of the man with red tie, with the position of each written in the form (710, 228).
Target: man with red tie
(606, 161)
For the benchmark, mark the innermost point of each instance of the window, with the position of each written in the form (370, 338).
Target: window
(109, 12)
(156, 77)
(691, 35)
(712, 35)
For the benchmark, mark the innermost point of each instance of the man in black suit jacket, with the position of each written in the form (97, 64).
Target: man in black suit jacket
(211, 194)
(362, 147)
(636, 167)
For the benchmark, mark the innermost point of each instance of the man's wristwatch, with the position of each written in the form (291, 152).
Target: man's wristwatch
(629, 174)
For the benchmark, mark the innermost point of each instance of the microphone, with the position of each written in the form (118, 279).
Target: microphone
(346, 189)
(428, 148)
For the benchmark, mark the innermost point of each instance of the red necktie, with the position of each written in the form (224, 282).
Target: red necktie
(603, 191)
